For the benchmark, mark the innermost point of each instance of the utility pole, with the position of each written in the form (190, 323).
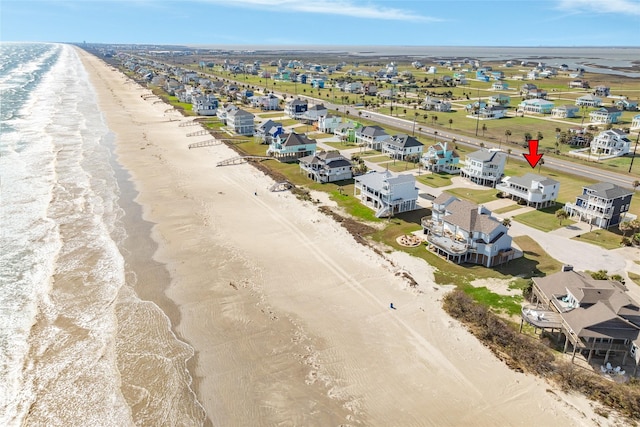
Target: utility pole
(635, 152)
(478, 113)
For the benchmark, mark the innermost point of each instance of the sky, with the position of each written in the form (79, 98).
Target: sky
(325, 22)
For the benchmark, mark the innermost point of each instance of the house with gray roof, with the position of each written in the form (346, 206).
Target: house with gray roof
(326, 166)
(595, 316)
(602, 204)
(589, 101)
(386, 193)
(400, 146)
(464, 232)
(291, 146)
(565, 111)
(605, 115)
(535, 190)
(484, 167)
(296, 108)
(241, 121)
(267, 130)
(314, 112)
(371, 137)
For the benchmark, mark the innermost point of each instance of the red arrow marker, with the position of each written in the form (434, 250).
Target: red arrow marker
(533, 157)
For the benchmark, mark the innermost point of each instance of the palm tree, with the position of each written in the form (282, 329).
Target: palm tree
(506, 222)
(507, 133)
(484, 128)
(561, 214)
(450, 123)
(509, 150)
(635, 184)
(625, 227)
(540, 163)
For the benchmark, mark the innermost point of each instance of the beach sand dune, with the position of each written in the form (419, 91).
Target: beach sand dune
(288, 315)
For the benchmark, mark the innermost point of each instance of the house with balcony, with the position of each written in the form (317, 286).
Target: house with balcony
(500, 99)
(488, 112)
(288, 147)
(326, 166)
(579, 84)
(635, 122)
(387, 193)
(268, 130)
(484, 167)
(435, 104)
(268, 102)
(441, 157)
(328, 123)
(539, 106)
(500, 85)
(224, 110)
(371, 137)
(602, 204)
(601, 90)
(627, 105)
(588, 101)
(611, 143)
(534, 190)
(346, 131)
(402, 146)
(296, 108)
(204, 105)
(565, 111)
(241, 122)
(314, 112)
(464, 232)
(536, 94)
(596, 317)
(605, 115)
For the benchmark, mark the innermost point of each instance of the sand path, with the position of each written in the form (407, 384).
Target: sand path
(288, 315)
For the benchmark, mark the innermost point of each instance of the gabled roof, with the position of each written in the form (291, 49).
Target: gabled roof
(607, 190)
(527, 180)
(293, 139)
(403, 141)
(317, 107)
(484, 155)
(377, 179)
(239, 113)
(372, 131)
(297, 101)
(599, 321)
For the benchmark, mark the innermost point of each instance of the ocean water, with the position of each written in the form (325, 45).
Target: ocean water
(71, 351)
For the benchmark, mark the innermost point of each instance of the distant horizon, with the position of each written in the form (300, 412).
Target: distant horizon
(456, 23)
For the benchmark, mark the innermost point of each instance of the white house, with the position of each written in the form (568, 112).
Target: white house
(484, 167)
(387, 193)
(224, 110)
(540, 106)
(612, 142)
(565, 111)
(296, 108)
(400, 146)
(536, 190)
(291, 146)
(314, 112)
(328, 123)
(589, 101)
(462, 231)
(204, 105)
(635, 122)
(326, 166)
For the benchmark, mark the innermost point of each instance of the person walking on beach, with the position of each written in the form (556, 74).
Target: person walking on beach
(391, 306)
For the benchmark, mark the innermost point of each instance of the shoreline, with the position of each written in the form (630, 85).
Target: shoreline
(288, 314)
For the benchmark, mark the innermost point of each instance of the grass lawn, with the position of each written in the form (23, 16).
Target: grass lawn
(476, 196)
(543, 219)
(319, 135)
(376, 159)
(608, 239)
(339, 145)
(506, 209)
(635, 278)
(535, 262)
(435, 179)
(400, 166)
(271, 115)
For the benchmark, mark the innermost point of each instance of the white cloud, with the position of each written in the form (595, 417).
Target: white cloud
(626, 7)
(330, 7)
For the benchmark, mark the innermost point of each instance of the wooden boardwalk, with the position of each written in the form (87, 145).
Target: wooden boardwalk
(199, 133)
(241, 159)
(207, 143)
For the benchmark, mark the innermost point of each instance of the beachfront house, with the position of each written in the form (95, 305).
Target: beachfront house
(611, 143)
(484, 167)
(224, 110)
(464, 232)
(402, 146)
(539, 106)
(532, 189)
(326, 166)
(602, 204)
(204, 105)
(387, 193)
(241, 122)
(441, 157)
(588, 101)
(605, 115)
(290, 147)
(371, 137)
(565, 111)
(596, 317)
(268, 130)
(296, 108)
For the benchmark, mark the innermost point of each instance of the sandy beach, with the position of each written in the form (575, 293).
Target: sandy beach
(287, 314)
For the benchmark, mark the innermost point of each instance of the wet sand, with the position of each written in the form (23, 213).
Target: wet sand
(289, 316)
